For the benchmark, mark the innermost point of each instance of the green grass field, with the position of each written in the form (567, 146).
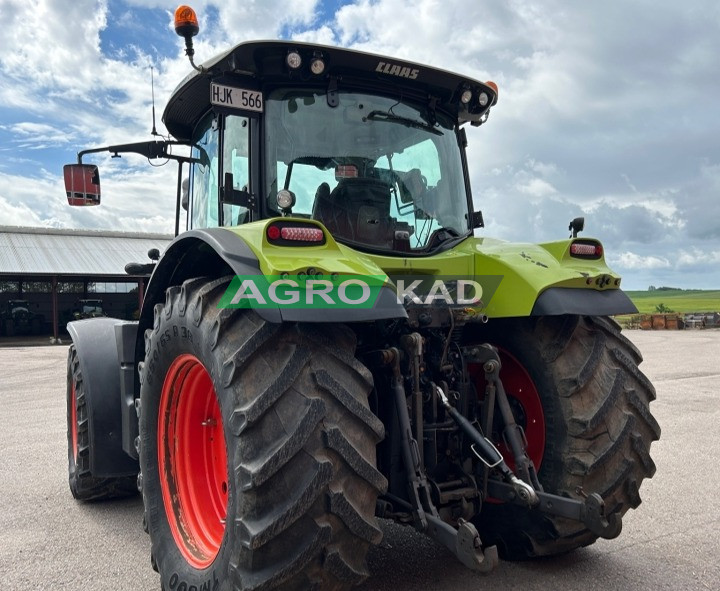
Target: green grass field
(677, 300)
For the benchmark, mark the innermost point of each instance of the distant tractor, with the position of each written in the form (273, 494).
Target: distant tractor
(327, 343)
(18, 318)
(82, 310)
(88, 309)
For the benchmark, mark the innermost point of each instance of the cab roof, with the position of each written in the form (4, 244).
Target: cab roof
(256, 65)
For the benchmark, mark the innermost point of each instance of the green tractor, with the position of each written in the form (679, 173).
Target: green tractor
(481, 393)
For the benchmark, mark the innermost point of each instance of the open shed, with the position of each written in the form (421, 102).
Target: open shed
(54, 272)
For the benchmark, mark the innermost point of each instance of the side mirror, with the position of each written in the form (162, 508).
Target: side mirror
(82, 184)
(477, 220)
(576, 226)
(185, 188)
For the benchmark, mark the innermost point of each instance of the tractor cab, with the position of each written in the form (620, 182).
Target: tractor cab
(373, 150)
(88, 309)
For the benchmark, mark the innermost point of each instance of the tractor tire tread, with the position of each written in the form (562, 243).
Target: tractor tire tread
(301, 435)
(599, 424)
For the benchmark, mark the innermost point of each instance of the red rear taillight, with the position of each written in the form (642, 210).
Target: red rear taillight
(346, 171)
(296, 234)
(302, 234)
(586, 250)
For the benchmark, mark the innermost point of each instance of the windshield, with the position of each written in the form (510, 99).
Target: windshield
(90, 306)
(376, 171)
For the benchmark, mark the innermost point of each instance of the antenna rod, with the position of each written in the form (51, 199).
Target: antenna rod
(152, 89)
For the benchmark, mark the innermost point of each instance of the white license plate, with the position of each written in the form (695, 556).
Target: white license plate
(236, 98)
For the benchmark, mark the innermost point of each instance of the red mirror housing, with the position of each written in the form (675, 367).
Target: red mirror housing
(82, 184)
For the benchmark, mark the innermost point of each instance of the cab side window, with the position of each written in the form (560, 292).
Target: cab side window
(204, 175)
(236, 152)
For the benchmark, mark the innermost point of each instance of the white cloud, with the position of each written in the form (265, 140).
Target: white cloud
(697, 257)
(36, 136)
(18, 213)
(536, 188)
(133, 199)
(606, 110)
(630, 260)
(324, 36)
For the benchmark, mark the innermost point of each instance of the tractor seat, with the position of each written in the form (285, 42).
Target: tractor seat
(358, 209)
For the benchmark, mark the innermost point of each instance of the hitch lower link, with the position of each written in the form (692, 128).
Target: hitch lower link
(526, 491)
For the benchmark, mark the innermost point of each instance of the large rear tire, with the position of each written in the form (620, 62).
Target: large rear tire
(597, 425)
(83, 485)
(270, 425)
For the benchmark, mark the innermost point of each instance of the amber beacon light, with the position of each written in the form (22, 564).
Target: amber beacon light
(186, 22)
(186, 25)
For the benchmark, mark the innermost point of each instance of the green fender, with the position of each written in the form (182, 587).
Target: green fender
(244, 250)
(534, 279)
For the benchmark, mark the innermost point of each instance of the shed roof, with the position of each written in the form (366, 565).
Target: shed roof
(48, 251)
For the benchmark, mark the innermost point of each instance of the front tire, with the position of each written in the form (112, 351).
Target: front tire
(597, 425)
(290, 493)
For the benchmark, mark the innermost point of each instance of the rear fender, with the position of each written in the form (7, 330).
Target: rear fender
(209, 252)
(535, 279)
(97, 350)
(564, 300)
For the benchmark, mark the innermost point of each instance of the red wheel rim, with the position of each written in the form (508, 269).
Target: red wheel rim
(73, 421)
(192, 461)
(524, 400)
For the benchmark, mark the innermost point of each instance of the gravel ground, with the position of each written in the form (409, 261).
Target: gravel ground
(48, 541)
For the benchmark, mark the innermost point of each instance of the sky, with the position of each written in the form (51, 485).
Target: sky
(608, 110)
